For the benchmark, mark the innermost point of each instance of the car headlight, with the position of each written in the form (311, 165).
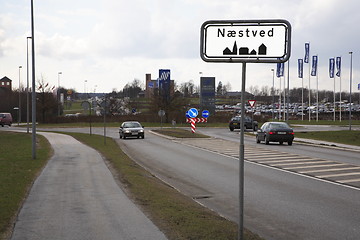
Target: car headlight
(127, 131)
(141, 130)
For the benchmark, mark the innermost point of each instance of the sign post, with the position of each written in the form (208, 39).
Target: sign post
(245, 41)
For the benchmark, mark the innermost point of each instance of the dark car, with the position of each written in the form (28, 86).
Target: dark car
(5, 119)
(131, 129)
(248, 123)
(275, 132)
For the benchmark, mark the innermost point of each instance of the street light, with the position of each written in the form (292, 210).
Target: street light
(58, 93)
(273, 92)
(350, 90)
(27, 84)
(19, 112)
(85, 89)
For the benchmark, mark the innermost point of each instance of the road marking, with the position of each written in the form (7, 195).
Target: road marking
(330, 170)
(338, 175)
(301, 163)
(316, 166)
(349, 180)
(273, 157)
(285, 161)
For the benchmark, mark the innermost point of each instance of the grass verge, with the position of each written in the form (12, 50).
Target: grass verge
(178, 216)
(344, 137)
(17, 173)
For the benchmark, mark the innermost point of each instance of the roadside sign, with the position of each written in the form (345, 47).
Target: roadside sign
(161, 113)
(205, 113)
(187, 114)
(255, 41)
(359, 86)
(193, 112)
(252, 103)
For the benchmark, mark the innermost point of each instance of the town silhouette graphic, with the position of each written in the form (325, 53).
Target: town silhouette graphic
(262, 50)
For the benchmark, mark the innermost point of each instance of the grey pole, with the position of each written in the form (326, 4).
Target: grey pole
(273, 96)
(58, 95)
(27, 85)
(288, 93)
(242, 157)
(350, 90)
(19, 111)
(33, 97)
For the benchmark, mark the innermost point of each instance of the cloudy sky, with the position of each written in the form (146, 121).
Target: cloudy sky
(110, 43)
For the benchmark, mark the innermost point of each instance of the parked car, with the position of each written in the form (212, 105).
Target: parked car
(275, 132)
(248, 123)
(131, 129)
(5, 119)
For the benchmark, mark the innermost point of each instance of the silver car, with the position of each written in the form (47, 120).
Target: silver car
(131, 129)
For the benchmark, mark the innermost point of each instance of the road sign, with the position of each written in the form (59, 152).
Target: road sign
(359, 86)
(267, 41)
(252, 103)
(161, 113)
(193, 112)
(196, 120)
(205, 113)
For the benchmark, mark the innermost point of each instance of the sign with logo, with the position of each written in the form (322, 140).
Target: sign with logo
(253, 41)
(252, 103)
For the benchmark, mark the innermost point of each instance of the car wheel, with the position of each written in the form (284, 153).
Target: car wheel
(290, 143)
(257, 139)
(124, 137)
(267, 141)
(231, 129)
(143, 136)
(120, 135)
(255, 128)
(281, 143)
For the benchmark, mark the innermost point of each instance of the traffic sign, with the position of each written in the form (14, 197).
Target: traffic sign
(252, 103)
(161, 113)
(193, 112)
(359, 86)
(205, 113)
(255, 41)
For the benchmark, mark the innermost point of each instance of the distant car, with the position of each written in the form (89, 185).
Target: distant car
(275, 132)
(5, 119)
(131, 129)
(248, 122)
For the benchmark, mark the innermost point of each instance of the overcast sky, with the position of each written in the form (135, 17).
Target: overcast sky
(109, 43)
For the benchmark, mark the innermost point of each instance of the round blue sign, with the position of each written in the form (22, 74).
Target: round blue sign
(187, 114)
(193, 112)
(205, 113)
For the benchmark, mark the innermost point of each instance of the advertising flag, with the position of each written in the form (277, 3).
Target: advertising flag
(314, 65)
(300, 68)
(331, 67)
(280, 70)
(307, 52)
(338, 66)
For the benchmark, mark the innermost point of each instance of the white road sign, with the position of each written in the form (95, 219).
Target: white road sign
(246, 41)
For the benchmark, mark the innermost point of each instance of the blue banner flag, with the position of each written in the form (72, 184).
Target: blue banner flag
(300, 68)
(307, 52)
(314, 65)
(338, 66)
(280, 70)
(331, 67)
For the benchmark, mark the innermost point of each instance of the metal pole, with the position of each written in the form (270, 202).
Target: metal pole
(242, 157)
(288, 93)
(302, 99)
(27, 85)
(350, 90)
(309, 91)
(334, 101)
(317, 94)
(273, 95)
(33, 96)
(58, 95)
(19, 111)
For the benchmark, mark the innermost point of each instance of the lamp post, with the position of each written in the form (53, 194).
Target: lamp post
(273, 93)
(58, 93)
(350, 90)
(85, 89)
(27, 84)
(19, 112)
(33, 96)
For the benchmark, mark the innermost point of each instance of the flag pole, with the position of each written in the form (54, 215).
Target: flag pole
(317, 92)
(309, 87)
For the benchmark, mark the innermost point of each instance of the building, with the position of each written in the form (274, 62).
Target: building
(6, 83)
(152, 85)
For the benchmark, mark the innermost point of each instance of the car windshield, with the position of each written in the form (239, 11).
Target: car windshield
(278, 125)
(132, 125)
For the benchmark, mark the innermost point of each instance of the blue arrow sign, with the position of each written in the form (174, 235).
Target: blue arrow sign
(205, 113)
(187, 114)
(193, 112)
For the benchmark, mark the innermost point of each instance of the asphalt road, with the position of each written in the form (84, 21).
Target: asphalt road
(76, 197)
(278, 204)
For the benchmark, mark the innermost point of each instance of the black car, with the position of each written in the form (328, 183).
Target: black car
(248, 123)
(131, 129)
(275, 132)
